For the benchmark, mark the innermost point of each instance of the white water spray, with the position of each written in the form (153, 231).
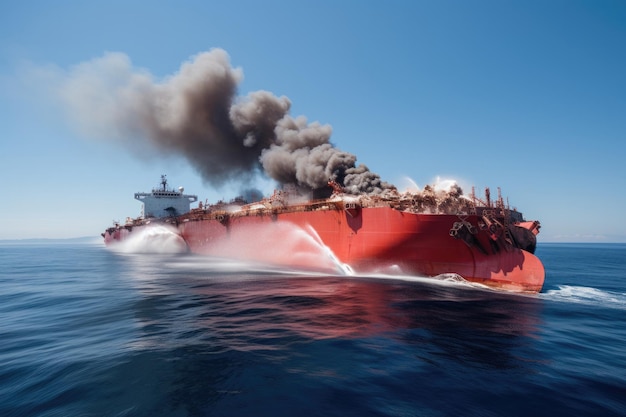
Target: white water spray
(282, 244)
(342, 267)
(152, 239)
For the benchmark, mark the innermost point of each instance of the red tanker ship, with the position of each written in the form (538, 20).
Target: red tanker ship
(425, 234)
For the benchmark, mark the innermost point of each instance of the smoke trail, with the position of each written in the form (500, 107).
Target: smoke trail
(197, 113)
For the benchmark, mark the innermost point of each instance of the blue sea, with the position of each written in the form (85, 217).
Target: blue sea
(87, 331)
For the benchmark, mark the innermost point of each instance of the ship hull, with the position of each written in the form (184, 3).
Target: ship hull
(373, 239)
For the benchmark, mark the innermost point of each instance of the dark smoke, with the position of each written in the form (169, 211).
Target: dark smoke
(197, 113)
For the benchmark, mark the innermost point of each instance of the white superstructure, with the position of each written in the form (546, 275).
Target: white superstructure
(164, 202)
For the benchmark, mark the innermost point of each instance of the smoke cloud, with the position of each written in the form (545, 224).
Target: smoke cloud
(198, 114)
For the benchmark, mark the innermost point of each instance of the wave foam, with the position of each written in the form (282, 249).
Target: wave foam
(587, 295)
(152, 239)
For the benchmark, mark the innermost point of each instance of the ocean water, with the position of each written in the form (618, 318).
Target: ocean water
(86, 331)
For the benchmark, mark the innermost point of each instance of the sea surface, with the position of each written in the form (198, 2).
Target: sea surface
(86, 331)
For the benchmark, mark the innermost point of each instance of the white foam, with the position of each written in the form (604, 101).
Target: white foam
(394, 273)
(152, 239)
(586, 295)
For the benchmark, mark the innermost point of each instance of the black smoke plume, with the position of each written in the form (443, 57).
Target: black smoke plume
(197, 113)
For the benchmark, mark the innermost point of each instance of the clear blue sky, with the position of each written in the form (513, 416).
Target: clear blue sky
(526, 95)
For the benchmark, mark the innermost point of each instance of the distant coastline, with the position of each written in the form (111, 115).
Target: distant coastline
(594, 243)
(83, 239)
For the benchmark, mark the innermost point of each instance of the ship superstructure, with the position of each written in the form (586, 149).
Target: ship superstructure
(165, 202)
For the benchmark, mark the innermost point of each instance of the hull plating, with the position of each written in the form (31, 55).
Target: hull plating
(373, 239)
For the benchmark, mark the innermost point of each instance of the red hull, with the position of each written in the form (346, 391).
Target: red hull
(379, 239)
(372, 239)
